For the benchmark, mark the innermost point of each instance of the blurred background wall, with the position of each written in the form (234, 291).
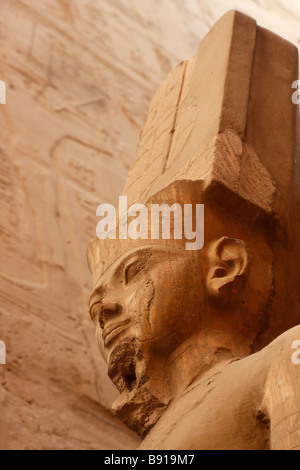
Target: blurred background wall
(80, 75)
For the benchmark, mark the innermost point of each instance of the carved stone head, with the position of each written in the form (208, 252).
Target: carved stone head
(163, 314)
(154, 300)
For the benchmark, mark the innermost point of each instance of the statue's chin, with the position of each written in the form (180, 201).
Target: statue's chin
(136, 406)
(122, 365)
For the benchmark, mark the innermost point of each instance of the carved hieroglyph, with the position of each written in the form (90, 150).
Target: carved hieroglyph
(199, 344)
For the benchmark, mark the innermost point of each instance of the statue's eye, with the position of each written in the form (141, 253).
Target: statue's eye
(132, 271)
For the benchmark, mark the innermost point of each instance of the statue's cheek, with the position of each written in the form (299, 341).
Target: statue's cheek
(140, 309)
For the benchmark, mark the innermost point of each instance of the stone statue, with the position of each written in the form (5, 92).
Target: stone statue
(202, 344)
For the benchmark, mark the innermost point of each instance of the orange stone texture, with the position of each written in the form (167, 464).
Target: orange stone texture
(80, 75)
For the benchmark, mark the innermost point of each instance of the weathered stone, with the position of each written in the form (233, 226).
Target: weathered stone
(178, 329)
(80, 75)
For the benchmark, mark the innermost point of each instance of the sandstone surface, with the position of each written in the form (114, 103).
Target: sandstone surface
(80, 76)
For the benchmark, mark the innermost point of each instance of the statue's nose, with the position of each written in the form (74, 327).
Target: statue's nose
(108, 310)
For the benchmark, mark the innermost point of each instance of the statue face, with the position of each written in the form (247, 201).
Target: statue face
(152, 294)
(153, 302)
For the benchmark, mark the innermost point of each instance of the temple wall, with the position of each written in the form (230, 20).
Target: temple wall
(80, 75)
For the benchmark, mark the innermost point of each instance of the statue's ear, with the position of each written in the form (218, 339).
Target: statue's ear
(228, 263)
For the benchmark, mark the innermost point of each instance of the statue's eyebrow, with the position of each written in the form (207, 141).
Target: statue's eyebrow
(100, 292)
(144, 255)
(132, 258)
(145, 252)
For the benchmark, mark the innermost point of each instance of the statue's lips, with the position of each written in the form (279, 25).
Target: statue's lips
(111, 331)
